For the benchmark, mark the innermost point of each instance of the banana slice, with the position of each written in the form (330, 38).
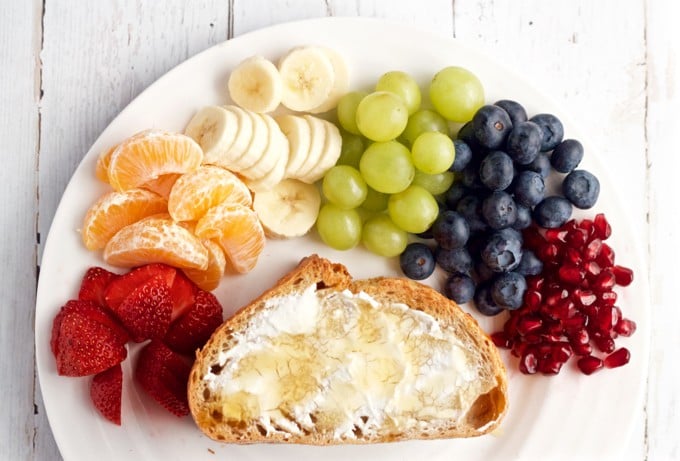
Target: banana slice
(244, 134)
(308, 78)
(214, 129)
(255, 84)
(299, 135)
(257, 145)
(318, 140)
(340, 84)
(277, 146)
(271, 179)
(329, 157)
(289, 209)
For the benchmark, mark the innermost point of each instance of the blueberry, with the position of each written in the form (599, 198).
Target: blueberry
(496, 171)
(528, 188)
(460, 288)
(552, 212)
(502, 252)
(553, 131)
(529, 264)
(450, 230)
(475, 244)
(567, 155)
(581, 188)
(470, 175)
(463, 155)
(511, 234)
(514, 109)
(456, 192)
(540, 165)
(483, 272)
(523, 217)
(524, 142)
(467, 135)
(491, 126)
(484, 303)
(417, 261)
(456, 260)
(499, 210)
(470, 207)
(507, 290)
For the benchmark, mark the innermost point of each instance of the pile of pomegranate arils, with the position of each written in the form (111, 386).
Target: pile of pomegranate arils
(569, 309)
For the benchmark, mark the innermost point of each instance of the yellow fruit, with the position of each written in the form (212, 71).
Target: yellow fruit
(210, 278)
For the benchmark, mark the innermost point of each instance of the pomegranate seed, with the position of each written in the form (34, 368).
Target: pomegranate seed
(532, 237)
(518, 349)
(510, 327)
(555, 235)
(532, 338)
(549, 366)
(571, 255)
(606, 257)
(592, 250)
(578, 337)
(616, 315)
(535, 282)
(604, 344)
(587, 225)
(589, 364)
(571, 274)
(592, 269)
(553, 328)
(605, 281)
(584, 297)
(561, 351)
(617, 358)
(543, 350)
(582, 349)
(501, 340)
(548, 252)
(605, 321)
(528, 363)
(590, 311)
(623, 275)
(607, 298)
(625, 327)
(578, 321)
(532, 299)
(577, 238)
(528, 324)
(602, 228)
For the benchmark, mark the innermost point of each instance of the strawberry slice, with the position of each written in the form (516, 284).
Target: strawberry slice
(94, 283)
(182, 293)
(164, 375)
(106, 392)
(146, 311)
(123, 285)
(192, 330)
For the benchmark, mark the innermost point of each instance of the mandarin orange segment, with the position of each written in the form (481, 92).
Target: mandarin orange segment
(101, 170)
(156, 239)
(196, 192)
(162, 185)
(210, 278)
(115, 210)
(148, 155)
(238, 231)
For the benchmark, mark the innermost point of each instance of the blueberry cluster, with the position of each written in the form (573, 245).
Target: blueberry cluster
(502, 161)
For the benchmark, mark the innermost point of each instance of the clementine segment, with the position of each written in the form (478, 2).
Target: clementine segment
(209, 279)
(162, 185)
(101, 170)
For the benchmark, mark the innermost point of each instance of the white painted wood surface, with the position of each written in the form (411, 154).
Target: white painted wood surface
(67, 70)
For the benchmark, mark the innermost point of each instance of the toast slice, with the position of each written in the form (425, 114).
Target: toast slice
(321, 359)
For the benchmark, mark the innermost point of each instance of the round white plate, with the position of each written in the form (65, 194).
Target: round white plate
(569, 416)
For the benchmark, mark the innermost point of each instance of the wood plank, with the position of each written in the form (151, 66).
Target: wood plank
(19, 43)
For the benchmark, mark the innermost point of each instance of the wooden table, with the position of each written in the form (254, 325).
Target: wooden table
(68, 67)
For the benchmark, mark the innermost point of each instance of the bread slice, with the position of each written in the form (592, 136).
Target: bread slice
(321, 359)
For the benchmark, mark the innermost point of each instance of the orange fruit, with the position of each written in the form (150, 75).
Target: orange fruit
(196, 192)
(238, 231)
(156, 239)
(115, 210)
(150, 154)
(162, 185)
(209, 279)
(101, 171)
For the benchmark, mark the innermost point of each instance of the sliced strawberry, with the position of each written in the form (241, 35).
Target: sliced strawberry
(122, 286)
(94, 283)
(182, 293)
(164, 375)
(192, 330)
(84, 346)
(106, 392)
(146, 311)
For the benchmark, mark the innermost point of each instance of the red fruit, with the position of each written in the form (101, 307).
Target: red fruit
(192, 330)
(500, 339)
(592, 269)
(555, 235)
(528, 363)
(625, 327)
(602, 228)
(125, 284)
(94, 284)
(617, 358)
(606, 257)
(146, 311)
(164, 375)
(571, 274)
(182, 294)
(577, 238)
(592, 250)
(532, 299)
(604, 343)
(589, 364)
(623, 275)
(528, 324)
(106, 391)
(605, 281)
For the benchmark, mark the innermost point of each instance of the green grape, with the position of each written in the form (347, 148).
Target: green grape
(435, 184)
(387, 167)
(382, 237)
(381, 116)
(352, 149)
(347, 110)
(413, 210)
(422, 121)
(338, 228)
(344, 186)
(456, 93)
(433, 152)
(403, 85)
(375, 201)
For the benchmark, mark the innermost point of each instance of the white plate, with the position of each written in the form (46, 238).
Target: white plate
(565, 417)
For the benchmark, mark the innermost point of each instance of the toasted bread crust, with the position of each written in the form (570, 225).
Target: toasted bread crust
(484, 416)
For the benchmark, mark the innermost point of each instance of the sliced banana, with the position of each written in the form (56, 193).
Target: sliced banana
(257, 145)
(255, 84)
(329, 157)
(289, 209)
(317, 142)
(340, 84)
(214, 129)
(308, 78)
(277, 146)
(271, 179)
(299, 135)
(244, 134)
